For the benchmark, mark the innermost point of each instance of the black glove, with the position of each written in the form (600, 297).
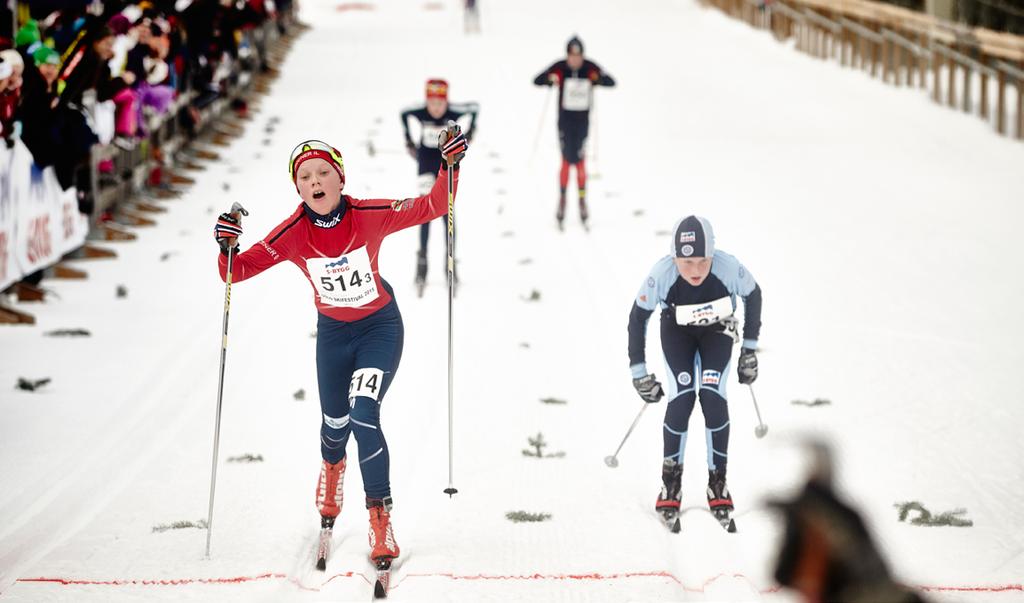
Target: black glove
(452, 143)
(746, 368)
(648, 388)
(411, 148)
(227, 231)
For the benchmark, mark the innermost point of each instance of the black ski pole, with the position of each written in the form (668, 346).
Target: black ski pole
(239, 211)
(762, 429)
(451, 490)
(613, 460)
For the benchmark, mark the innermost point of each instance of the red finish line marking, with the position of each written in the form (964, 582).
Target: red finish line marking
(514, 577)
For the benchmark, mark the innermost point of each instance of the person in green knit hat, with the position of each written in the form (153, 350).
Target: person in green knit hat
(28, 35)
(47, 61)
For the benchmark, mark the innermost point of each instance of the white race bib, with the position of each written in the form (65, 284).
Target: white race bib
(365, 382)
(430, 134)
(704, 314)
(576, 94)
(344, 282)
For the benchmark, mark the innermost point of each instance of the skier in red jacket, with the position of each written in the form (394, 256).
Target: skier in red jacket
(334, 239)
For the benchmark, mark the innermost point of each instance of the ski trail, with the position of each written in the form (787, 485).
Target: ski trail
(123, 452)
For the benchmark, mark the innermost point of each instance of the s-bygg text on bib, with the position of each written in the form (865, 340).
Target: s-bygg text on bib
(345, 281)
(704, 314)
(576, 94)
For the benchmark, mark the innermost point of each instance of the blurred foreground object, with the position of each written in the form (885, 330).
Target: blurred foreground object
(827, 553)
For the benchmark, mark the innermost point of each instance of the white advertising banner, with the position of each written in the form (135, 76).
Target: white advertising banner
(9, 272)
(39, 221)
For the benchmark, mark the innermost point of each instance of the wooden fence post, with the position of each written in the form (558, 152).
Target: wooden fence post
(1020, 109)
(1001, 102)
(984, 95)
(876, 51)
(922, 63)
(844, 40)
(967, 89)
(951, 99)
(886, 60)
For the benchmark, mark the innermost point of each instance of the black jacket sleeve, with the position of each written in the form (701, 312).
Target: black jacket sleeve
(752, 314)
(405, 127)
(603, 79)
(542, 79)
(638, 318)
(472, 110)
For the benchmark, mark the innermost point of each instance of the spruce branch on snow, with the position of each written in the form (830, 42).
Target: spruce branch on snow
(539, 444)
(526, 517)
(925, 518)
(815, 402)
(246, 458)
(553, 401)
(180, 525)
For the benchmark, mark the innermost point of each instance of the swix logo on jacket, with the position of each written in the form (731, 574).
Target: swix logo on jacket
(327, 223)
(330, 220)
(340, 262)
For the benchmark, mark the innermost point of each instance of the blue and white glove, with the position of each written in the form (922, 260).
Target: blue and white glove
(746, 368)
(649, 389)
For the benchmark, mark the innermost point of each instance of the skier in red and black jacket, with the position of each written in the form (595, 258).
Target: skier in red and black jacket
(334, 239)
(575, 77)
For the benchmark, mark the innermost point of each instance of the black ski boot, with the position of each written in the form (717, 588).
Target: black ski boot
(719, 499)
(584, 215)
(560, 215)
(671, 494)
(421, 272)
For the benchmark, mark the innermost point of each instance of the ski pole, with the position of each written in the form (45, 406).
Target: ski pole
(540, 124)
(761, 428)
(236, 208)
(450, 490)
(593, 104)
(613, 460)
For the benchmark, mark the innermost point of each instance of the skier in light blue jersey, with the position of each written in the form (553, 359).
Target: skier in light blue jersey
(695, 287)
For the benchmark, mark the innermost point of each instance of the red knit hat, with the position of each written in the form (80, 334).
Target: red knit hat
(437, 89)
(315, 148)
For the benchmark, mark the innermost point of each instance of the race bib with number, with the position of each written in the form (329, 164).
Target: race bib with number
(430, 134)
(576, 94)
(704, 314)
(346, 281)
(366, 382)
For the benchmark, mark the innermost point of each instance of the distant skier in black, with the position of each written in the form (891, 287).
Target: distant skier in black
(575, 78)
(432, 117)
(471, 17)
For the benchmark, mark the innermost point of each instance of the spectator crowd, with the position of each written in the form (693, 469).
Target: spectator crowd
(77, 74)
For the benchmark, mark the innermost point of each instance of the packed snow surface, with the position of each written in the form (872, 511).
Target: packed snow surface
(882, 228)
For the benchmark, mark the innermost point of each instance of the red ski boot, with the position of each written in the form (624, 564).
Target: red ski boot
(329, 494)
(382, 537)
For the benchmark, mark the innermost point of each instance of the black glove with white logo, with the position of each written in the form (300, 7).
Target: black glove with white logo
(746, 368)
(648, 388)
